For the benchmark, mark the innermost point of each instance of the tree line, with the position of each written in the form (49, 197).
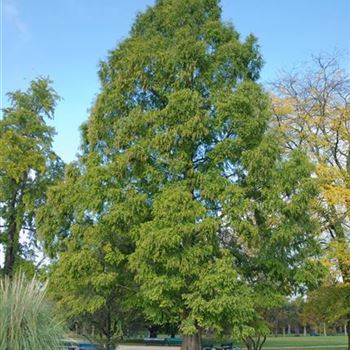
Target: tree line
(200, 199)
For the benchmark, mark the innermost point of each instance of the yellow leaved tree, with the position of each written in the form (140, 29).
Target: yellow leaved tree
(312, 109)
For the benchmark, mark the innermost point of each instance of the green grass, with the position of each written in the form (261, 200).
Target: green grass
(300, 342)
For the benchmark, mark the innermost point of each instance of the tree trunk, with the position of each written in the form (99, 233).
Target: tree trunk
(153, 331)
(191, 342)
(324, 329)
(11, 239)
(254, 343)
(348, 330)
(304, 331)
(10, 250)
(261, 342)
(346, 279)
(109, 344)
(13, 226)
(289, 328)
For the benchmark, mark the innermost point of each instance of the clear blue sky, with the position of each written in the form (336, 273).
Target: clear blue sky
(65, 39)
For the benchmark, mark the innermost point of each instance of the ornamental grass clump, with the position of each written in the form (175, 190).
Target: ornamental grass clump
(26, 319)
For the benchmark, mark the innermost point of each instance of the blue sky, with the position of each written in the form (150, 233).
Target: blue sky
(65, 40)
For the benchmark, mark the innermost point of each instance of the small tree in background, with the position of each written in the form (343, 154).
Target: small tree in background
(28, 165)
(27, 321)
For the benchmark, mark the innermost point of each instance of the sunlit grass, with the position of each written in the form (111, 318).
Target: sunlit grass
(306, 341)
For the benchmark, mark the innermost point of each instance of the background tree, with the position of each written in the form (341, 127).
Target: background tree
(329, 304)
(277, 319)
(312, 109)
(28, 166)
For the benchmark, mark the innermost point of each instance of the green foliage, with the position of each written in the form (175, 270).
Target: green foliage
(181, 184)
(329, 303)
(27, 167)
(27, 321)
(185, 277)
(90, 281)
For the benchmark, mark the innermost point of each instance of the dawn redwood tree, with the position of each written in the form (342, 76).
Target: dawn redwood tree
(181, 184)
(28, 165)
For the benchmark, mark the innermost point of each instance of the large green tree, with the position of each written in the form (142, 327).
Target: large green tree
(27, 166)
(181, 184)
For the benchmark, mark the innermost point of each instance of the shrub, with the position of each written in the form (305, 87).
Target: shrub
(26, 321)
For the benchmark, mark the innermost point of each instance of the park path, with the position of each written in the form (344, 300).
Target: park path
(146, 347)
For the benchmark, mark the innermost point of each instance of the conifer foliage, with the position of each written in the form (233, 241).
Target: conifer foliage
(181, 185)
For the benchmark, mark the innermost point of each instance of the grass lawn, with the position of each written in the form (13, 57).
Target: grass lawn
(288, 343)
(325, 343)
